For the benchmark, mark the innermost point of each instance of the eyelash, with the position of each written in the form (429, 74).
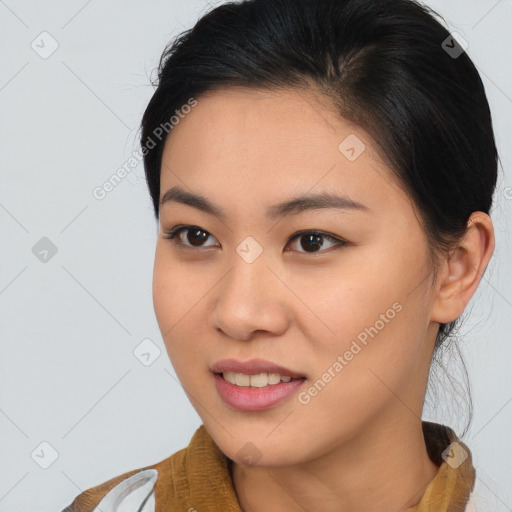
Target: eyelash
(171, 234)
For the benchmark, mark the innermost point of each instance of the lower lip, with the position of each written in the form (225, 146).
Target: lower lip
(255, 399)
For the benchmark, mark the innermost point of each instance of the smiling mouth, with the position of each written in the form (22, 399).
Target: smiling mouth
(258, 380)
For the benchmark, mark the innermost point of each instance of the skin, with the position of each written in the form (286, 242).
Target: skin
(358, 444)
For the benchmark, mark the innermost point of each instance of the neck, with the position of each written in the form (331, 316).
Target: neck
(382, 468)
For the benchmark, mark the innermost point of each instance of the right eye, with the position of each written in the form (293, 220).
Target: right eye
(195, 236)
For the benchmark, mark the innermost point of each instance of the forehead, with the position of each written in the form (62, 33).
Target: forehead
(242, 115)
(258, 145)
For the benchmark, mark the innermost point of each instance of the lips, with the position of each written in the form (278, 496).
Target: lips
(253, 367)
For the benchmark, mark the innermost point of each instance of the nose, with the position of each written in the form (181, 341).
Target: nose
(250, 298)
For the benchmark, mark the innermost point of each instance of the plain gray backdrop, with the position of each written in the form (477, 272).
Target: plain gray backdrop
(77, 406)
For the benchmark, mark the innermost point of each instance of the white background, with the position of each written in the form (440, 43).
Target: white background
(68, 327)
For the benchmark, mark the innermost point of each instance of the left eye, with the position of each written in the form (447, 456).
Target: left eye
(310, 241)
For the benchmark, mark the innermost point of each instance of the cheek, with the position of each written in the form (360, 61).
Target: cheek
(163, 286)
(338, 302)
(371, 309)
(177, 294)
(174, 289)
(371, 365)
(168, 301)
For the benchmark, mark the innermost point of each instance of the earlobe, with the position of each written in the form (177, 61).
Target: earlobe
(463, 269)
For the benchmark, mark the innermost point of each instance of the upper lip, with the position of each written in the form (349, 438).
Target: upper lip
(252, 367)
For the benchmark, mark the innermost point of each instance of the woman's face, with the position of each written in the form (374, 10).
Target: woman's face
(351, 314)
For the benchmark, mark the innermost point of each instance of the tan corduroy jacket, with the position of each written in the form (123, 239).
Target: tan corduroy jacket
(198, 479)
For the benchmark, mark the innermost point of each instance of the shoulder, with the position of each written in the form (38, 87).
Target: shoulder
(133, 490)
(194, 477)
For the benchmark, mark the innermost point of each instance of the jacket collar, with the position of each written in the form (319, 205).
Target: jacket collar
(448, 491)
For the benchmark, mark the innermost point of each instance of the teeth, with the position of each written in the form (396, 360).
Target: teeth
(241, 379)
(257, 381)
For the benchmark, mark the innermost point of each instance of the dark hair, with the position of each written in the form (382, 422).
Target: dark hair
(387, 65)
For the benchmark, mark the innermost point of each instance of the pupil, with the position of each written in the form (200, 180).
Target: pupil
(194, 237)
(313, 242)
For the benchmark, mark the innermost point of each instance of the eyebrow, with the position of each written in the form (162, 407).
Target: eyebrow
(290, 207)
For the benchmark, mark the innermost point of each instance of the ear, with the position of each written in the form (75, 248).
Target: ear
(461, 272)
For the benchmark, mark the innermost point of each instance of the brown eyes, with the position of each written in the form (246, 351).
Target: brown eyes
(194, 238)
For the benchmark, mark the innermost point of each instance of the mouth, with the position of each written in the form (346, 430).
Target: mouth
(258, 380)
(254, 385)
(252, 368)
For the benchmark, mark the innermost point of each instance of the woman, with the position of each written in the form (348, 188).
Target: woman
(322, 174)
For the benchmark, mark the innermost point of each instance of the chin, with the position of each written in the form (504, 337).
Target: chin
(253, 450)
